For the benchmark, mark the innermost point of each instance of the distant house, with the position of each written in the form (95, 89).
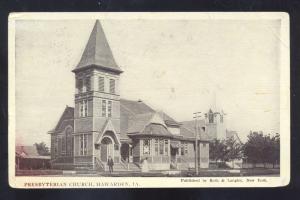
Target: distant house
(27, 157)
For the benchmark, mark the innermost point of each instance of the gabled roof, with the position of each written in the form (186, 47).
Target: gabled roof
(137, 123)
(137, 118)
(140, 119)
(187, 130)
(136, 107)
(67, 115)
(97, 52)
(168, 120)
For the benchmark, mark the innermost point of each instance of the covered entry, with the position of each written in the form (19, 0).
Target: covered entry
(108, 145)
(106, 148)
(126, 152)
(174, 150)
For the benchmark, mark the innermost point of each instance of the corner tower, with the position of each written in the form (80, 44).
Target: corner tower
(97, 99)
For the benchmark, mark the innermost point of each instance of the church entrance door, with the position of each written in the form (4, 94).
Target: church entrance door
(107, 149)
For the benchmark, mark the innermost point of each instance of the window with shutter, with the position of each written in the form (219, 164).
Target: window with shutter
(161, 147)
(109, 107)
(85, 108)
(101, 84)
(79, 85)
(103, 108)
(112, 86)
(83, 144)
(88, 84)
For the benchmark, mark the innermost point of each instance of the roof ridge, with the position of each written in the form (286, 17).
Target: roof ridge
(147, 123)
(127, 109)
(188, 129)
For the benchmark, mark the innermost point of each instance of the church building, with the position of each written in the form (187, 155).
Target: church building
(102, 124)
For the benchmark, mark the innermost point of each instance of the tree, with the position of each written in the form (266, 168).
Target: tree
(233, 150)
(253, 148)
(217, 150)
(42, 149)
(275, 154)
(261, 148)
(225, 150)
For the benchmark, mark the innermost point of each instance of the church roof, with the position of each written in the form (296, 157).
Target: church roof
(168, 120)
(156, 129)
(137, 118)
(97, 52)
(65, 120)
(187, 129)
(136, 107)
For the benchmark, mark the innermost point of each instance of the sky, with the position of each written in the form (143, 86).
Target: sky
(178, 66)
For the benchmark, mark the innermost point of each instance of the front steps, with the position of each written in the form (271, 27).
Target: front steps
(126, 167)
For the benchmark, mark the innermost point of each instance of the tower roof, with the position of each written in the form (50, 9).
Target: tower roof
(97, 52)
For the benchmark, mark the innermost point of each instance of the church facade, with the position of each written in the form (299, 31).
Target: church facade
(102, 124)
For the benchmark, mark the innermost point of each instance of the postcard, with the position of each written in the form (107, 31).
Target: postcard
(139, 100)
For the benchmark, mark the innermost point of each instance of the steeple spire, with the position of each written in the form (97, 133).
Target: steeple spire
(97, 52)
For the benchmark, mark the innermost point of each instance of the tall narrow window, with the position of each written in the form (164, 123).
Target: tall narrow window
(83, 144)
(81, 109)
(112, 86)
(221, 118)
(109, 106)
(85, 108)
(63, 145)
(156, 147)
(79, 85)
(161, 147)
(166, 147)
(69, 137)
(146, 147)
(56, 147)
(101, 84)
(88, 84)
(103, 108)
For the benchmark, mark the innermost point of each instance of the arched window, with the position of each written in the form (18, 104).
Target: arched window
(69, 141)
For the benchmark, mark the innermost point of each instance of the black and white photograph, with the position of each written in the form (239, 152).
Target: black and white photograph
(149, 100)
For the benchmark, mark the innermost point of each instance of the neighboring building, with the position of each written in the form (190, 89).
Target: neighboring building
(234, 135)
(27, 157)
(102, 124)
(215, 124)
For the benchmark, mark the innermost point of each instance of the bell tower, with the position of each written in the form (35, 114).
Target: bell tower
(97, 97)
(215, 124)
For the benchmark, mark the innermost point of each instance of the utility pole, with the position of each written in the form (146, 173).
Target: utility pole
(196, 117)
